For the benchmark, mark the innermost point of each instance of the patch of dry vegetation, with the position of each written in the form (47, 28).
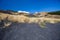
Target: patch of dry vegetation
(3, 16)
(26, 19)
(18, 18)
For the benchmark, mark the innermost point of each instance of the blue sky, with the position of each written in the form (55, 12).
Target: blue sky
(30, 5)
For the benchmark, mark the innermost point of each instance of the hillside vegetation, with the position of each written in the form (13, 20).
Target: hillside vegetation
(41, 19)
(55, 13)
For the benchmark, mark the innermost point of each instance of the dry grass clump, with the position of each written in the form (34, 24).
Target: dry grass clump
(18, 18)
(3, 16)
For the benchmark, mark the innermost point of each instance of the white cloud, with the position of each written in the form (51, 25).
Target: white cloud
(23, 12)
(36, 12)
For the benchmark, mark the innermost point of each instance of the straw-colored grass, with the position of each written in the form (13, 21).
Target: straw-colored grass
(26, 19)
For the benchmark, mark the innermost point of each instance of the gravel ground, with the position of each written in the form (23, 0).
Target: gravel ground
(25, 31)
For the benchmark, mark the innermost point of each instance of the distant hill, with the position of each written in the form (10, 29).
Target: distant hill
(54, 13)
(16, 12)
(7, 11)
